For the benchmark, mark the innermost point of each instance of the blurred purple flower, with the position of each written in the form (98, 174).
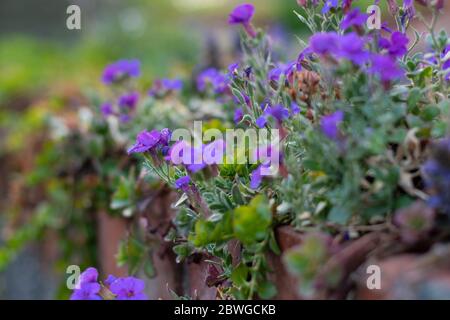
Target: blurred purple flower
(261, 121)
(324, 42)
(354, 19)
(330, 124)
(328, 5)
(106, 109)
(110, 280)
(128, 288)
(214, 78)
(129, 100)
(182, 183)
(352, 48)
(87, 291)
(295, 109)
(172, 84)
(161, 87)
(88, 288)
(124, 118)
(121, 69)
(275, 74)
(233, 70)
(278, 112)
(385, 67)
(397, 46)
(256, 177)
(89, 275)
(242, 14)
(238, 115)
(165, 137)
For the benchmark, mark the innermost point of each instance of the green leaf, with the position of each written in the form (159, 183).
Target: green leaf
(149, 269)
(251, 223)
(273, 244)
(239, 275)
(413, 99)
(237, 195)
(430, 112)
(266, 290)
(339, 215)
(182, 251)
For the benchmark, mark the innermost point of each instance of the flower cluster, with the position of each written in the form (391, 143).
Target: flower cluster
(213, 79)
(122, 106)
(121, 70)
(89, 288)
(164, 87)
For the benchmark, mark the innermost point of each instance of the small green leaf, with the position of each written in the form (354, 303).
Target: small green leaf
(239, 275)
(266, 290)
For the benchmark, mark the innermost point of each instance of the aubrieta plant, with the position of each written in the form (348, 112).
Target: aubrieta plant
(356, 112)
(362, 119)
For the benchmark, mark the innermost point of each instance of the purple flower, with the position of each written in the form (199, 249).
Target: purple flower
(106, 109)
(242, 14)
(172, 84)
(399, 44)
(233, 70)
(182, 183)
(121, 69)
(324, 42)
(256, 176)
(87, 291)
(385, 67)
(145, 141)
(301, 57)
(129, 100)
(353, 19)
(124, 118)
(238, 115)
(88, 288)
(165, 137)
(295, 109)
(278, 112)
(128, 288)
(261, 121)
(213, 77)
(352, 48)
(286, 69)
(89, 275)
(275, 74)
(110, 280)
(330, 124)
(409, 9)
(163, 86)
(328, 5)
